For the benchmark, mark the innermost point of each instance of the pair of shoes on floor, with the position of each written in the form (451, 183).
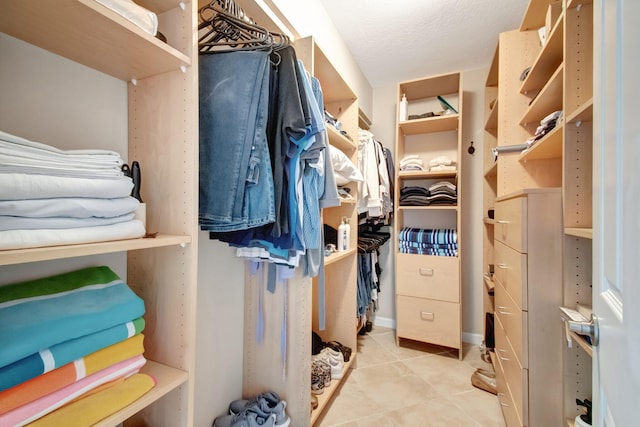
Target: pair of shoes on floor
(484, 380)
(265, 409)
(334, 359)
(320, 376)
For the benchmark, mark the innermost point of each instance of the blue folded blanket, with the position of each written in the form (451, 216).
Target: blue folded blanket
(60, 354)
(40, 313)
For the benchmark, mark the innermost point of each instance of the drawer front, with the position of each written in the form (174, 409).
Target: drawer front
(513, 322)
(424, 276)
(511, 220)
(504, 398)
(426, 320)
(511, 271)
(515, 376)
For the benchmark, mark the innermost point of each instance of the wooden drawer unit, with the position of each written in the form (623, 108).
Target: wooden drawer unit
(528, 292)
(515, 375)
(424, 276)
(511, 272)
(510, 216)
(427, 320)
(505, 399)
(514, 322)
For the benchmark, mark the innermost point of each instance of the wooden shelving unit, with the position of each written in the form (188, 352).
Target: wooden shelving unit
(159, 81)
(325, 399)
(423, 316)
(559, 78)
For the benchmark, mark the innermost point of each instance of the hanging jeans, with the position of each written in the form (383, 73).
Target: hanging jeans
(236, 181)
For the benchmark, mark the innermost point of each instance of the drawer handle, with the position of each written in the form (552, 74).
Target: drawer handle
(426, 315)
(503, 310)
(506, 359)
(502, 221)
(502, 266)
(426, 271)
(500, 395)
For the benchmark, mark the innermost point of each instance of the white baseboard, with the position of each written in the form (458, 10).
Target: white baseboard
(467, 337)
(470, 338)
(384, 322)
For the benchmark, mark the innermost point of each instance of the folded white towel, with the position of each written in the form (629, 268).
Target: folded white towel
(20, 239)
(72, 207)
(20, 186)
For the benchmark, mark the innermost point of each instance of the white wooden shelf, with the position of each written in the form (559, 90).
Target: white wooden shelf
(448, 122)
(548, 60)
(547, 101)
(426, 174)
(89, 33)
(167, 380)
(339, 256)
(428, 208)
(586, 233)
(548, 147)
(584, 113)
(340, 141)
(582, 342)
(19, 256)
(326, 397)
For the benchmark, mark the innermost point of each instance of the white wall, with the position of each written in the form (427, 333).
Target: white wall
(310, 19)
(50, 99)
(384, 129)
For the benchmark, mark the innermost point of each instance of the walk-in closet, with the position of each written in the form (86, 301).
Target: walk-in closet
(242, 213)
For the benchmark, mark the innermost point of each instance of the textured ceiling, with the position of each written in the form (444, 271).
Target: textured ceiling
(401, 40)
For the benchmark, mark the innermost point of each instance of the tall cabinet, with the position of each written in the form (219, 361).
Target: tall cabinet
(428, 297)
(532, 80)
(162, 126)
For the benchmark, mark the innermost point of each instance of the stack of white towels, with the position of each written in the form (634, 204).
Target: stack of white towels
(413, 162)
(51, 197)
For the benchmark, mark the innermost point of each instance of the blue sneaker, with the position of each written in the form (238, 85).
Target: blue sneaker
(250, 417)
(268, 402)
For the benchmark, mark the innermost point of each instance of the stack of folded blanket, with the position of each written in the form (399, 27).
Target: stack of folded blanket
(439, 193)
(51, 197)
(441, 242)
(442, 164)
(69, 336)
(411, 162)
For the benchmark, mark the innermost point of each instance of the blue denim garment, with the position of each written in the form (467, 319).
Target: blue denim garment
(236, 182)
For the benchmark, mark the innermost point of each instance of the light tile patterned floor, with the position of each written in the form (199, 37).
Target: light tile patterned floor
(414, 385)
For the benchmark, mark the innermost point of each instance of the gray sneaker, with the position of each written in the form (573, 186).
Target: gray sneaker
(250, 417)
(268, 402)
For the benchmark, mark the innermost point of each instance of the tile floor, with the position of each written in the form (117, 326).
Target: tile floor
(415, 385)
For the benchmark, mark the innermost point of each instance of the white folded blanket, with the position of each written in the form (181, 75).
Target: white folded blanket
(138, 15)
(34, 148)
(20, 239)
(18, 186)
(25, 223)
(72, 207)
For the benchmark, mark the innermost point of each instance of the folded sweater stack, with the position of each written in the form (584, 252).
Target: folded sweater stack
(439, 242)
(52, 197)
(439, 193)
(67, 337)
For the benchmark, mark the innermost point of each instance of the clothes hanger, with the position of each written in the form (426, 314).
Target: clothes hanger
(227, 32)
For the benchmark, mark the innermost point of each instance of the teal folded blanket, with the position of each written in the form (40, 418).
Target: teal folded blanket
(60, 354)
(38, 314)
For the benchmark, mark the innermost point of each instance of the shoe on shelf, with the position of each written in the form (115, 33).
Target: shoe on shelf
(269, 402)
(332, 358)
(323, 370)
(250, 417)
(314, 402)
(484, 380)
(317, 381)
(335, 345)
